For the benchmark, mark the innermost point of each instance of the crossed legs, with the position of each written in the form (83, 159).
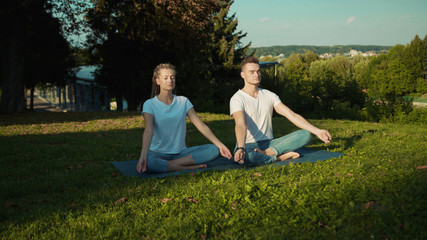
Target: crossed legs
(279, 149)
(186, 162)
(190, 158)
(282, 157)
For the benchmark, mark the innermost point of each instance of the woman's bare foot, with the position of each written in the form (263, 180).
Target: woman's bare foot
(174, 167)
(196, 166)
(288, 155)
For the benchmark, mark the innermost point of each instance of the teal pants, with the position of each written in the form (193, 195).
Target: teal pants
(287, 143)
(158, 162)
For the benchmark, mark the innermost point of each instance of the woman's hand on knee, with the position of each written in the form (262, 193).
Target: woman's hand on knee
(225, 152)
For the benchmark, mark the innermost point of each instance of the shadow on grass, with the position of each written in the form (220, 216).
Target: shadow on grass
(68, 172)
(49, 172)
(44, 173)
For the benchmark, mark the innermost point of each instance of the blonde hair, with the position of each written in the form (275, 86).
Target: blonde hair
(155, 90)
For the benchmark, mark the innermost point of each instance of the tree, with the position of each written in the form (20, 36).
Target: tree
(48, 56)
(33, 42)
(413, 57)
(424, 59)
(361, 72)
(392, 80)
(399, 72)
(422, 82)
(132, 37)
(335, 88)
(13, 21)
(297, 84)
(225, 55)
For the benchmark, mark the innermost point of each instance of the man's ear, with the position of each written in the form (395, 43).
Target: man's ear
(242, 74)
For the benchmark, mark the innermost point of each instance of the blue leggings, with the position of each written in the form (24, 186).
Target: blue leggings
(280, 145)
(158, 162)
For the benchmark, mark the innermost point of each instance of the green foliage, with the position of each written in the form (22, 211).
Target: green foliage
(130, 38)
(372, 88)
(361, 72)
(48, 55)
(403, 115)
(399, 110)
(225, 55)
(392, 77)
(297, 85)
(399, 72)
(335, 88)
(58, 183)
(82, 56)
(33, 50)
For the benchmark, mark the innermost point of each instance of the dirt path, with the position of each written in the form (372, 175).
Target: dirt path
(40, 105)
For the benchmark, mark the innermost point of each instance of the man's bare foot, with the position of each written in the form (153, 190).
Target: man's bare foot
(267, 151)
(288, 155)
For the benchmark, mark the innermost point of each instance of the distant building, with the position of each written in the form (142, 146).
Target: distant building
(326, 55)
(81, 94)
(354, 53)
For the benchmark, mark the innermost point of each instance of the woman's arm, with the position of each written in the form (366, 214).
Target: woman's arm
(146, 142)
(302, 123)
(206, 131)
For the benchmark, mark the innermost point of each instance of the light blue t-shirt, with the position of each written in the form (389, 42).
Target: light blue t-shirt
(169, 123)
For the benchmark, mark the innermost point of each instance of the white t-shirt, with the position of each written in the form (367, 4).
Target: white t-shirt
(258, 113)
(169, 123)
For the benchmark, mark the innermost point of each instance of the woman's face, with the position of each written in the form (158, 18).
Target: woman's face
(166, 79)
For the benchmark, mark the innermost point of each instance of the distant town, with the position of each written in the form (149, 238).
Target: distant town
(281, 52)
(350, 54)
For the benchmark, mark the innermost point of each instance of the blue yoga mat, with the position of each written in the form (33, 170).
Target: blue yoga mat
(128, 168)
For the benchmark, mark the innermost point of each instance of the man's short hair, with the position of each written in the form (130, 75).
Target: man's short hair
(246, 60)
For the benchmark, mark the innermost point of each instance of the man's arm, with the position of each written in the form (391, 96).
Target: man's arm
(240, 130)
(302, 123)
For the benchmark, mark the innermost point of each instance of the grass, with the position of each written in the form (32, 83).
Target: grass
(57, 183)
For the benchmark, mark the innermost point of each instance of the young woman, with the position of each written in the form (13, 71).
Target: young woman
(163, 141)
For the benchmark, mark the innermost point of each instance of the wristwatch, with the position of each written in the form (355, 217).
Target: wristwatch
(237, 149)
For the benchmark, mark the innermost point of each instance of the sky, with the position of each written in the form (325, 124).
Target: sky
(330, 22)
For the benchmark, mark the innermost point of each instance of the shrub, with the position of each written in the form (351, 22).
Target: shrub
(401, 110)
(416, 115)
(344, 110)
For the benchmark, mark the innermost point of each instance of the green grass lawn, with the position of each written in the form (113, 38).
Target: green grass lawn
(57, 182)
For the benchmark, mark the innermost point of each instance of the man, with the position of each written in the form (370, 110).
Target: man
(252, 109)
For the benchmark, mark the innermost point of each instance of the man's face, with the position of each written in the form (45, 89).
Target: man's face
(251, 73)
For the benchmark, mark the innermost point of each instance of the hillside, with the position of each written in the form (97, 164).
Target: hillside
(291, 49)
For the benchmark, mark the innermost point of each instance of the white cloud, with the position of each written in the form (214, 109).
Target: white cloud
(279, 27)
(407, 16)
(264, 19)
(351, 19)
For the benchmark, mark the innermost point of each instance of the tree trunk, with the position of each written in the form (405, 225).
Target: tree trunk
(119, 101)
(32, 99)
(13, 95)
(131, 101)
